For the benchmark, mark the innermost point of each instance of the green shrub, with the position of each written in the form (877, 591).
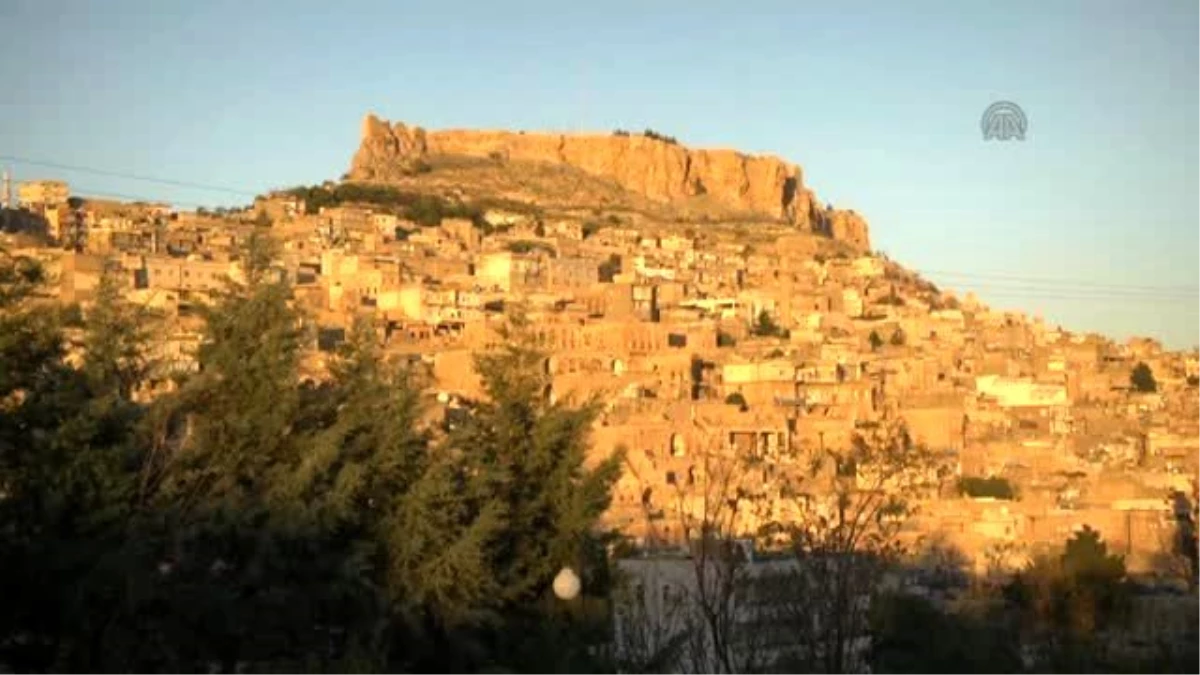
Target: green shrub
(650, 133)
(1142, 379)
(737, 399)
(422, 208)
(765, 326)
(610, 268)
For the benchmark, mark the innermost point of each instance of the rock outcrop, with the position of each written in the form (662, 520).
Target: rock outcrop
(847, 226)
(654, 168)
(385, 151)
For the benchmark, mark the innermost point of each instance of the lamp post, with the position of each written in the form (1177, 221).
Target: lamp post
(566, 588)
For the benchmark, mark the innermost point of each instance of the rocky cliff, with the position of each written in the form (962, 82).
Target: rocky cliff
(651, 167)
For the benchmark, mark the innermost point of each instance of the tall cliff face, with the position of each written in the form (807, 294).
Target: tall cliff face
(656, 169)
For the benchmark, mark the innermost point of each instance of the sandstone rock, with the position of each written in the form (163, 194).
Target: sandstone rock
(849, 227)
(659, 170)
(385, 152)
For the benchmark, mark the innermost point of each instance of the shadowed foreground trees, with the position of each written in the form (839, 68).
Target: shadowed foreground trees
(246, 521)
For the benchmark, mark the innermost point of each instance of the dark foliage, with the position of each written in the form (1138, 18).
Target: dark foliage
(1142, 379)
(765, 326)
(248, 522)
(422, 208)
(911, 635)
(650, 133)
(526, 246)
(875, 340)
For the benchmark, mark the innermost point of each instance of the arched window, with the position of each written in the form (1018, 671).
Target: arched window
(678, 446)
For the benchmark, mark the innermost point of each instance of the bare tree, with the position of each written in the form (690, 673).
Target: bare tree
(847, 539)
(712, 509)
(648, 640)
(830, 527)
(1177, 558)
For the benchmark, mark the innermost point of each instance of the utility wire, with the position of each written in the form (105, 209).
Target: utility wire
(1133, 293)
(1087, 298)
(129, 176)
(104, 194)
(1046, 281)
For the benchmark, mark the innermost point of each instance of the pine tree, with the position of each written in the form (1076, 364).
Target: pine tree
(529, 453)
(115, 339)
(249, 574)
(533, 452)
(371, 470)
(31, 368)
(71, 459)
(249, 521)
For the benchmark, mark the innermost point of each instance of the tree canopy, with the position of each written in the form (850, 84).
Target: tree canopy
(251, 520)
(1142, 379)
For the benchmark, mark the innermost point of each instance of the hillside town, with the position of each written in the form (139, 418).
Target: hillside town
(711, 338)
(698, 340)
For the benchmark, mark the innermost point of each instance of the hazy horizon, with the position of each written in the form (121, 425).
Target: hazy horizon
(1091, 221)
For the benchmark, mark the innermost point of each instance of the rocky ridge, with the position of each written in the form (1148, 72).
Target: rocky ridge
(656, 169)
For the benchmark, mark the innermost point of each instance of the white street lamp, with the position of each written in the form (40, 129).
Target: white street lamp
(567, 584)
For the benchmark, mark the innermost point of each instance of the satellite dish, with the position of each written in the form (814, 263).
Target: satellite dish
(566, 584)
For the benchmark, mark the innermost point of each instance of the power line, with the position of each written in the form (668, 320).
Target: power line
(1050, 295)
(128, 176)
(1083, 293)
(104, 194)
(1046, 281)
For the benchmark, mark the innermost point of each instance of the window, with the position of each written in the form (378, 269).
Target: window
(671, 478)
(678, 446)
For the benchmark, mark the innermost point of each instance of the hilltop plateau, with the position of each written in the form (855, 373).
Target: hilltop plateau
(645, 172)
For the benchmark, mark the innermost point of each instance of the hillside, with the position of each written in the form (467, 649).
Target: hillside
(639, 171)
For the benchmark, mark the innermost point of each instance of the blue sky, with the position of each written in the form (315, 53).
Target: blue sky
(1092, 221)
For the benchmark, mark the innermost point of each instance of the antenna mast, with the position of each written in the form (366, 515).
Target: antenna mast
(6, 198)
